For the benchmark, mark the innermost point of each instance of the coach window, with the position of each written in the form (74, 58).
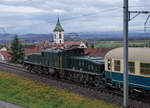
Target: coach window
(109, 64)
(131, 67)
(117, 65)
(145, 68)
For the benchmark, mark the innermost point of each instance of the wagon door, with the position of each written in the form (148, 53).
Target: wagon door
(109, 69)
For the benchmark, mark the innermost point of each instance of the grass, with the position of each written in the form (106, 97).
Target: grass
(33, 94)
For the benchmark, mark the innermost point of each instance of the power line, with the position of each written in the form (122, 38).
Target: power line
(140, 6)
(2, 29)
(91, 14)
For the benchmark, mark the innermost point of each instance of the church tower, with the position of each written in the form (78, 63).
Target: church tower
(58, 36)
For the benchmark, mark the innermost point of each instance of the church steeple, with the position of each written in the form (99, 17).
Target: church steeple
(58, 26)
(58, 36)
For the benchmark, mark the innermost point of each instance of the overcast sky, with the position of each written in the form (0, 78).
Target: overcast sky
(40, 16)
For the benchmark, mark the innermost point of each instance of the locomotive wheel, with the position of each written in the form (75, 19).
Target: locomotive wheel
(26, 67)
(61, 75)
(30, 69)
(90, 82)
(69, 76)
(97, 81)
(85, 79)
(76, 77)
(46, 71)
(66, 75)
(81, 78)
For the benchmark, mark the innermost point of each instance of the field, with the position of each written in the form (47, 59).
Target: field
(136, 43)
(33, 94)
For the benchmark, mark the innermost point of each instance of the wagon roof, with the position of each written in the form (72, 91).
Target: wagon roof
(140, 54)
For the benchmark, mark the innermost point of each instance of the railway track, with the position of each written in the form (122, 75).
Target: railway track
(108, 95)
(13, 66)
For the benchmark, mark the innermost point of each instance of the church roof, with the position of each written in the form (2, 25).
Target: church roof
(58, 26)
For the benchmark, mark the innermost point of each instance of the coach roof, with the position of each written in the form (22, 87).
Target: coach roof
(141, 54)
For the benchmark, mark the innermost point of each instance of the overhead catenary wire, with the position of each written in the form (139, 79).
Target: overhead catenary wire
(100, 12)
(91, 14)
(86, 15)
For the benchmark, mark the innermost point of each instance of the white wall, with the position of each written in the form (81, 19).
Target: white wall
(56, 38)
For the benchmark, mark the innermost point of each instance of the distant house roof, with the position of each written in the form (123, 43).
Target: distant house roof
(78, 44)
(58, 26)
(6, 55)
(67, 44)
(28, 50)
(34, 49)
(72, 42)
(3, 49)
(29, 46)
(97, 52)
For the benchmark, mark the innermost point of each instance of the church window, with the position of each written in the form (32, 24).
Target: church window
(60, 35)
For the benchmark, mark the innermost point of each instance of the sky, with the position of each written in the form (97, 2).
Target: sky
(40, 16)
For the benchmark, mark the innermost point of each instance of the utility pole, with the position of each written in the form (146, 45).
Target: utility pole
(126, 19)
(125, 55)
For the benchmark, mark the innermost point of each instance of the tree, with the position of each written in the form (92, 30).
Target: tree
(92, 45)
(17, 51)
(87, 44)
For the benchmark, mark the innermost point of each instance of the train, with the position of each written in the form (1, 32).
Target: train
(138, 69)
(102, 72)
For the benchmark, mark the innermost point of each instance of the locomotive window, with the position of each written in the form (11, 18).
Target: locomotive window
(145, 68)
(117, 65)
(73, 62)
(88, 67)
(109, 64)
(131, 67)
(82, 63)
(95, 68)
(92, 68)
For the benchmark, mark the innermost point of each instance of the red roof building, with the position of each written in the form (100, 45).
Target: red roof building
(97, 52)
(28, 50)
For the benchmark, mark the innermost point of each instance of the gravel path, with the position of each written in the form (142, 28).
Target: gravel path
(93, 94)
(4, 104)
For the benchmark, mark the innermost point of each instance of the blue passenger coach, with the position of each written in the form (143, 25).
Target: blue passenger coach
(138, 65)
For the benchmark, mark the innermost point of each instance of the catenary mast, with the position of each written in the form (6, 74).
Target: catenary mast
(125, 35)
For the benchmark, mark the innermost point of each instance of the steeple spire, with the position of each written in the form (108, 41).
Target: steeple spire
(58, 36)
(58, 26)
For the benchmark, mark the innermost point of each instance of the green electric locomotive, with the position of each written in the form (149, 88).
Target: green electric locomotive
(71, 64)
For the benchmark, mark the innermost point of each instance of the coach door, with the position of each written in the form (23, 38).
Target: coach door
(110, 65)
